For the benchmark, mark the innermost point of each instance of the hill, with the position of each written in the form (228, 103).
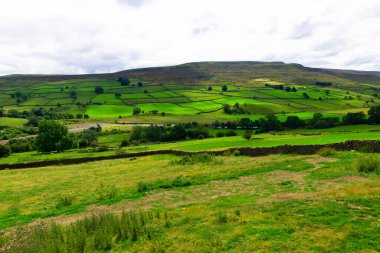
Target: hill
(195, 89)
(199, 72)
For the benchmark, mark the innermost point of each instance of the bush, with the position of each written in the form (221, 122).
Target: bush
(125, 143)
(102, 148)
(220, 134)
(5, 151)
(231, 133)
(326, 151)
(367, 164)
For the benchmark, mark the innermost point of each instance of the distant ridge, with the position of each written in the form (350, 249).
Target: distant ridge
(233, 71)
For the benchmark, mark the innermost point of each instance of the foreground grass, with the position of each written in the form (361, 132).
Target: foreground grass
(286, 203)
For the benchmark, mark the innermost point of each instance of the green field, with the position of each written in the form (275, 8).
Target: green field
(325, 202)
(276, 203)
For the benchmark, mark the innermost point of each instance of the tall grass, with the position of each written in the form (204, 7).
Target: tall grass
(327, 151)
(367, 164)
(99, 232)
(193, 159)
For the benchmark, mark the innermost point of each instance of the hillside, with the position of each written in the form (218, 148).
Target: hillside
(225, 71)
(195, 89)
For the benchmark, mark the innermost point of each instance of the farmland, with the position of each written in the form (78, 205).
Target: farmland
(219, 200)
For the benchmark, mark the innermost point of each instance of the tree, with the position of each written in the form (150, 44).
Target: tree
(354, 118)
(269, 123)
(5, 151)
(139, 84)
(136, 111)
(52, 136)
(73, 94)
(118, 95)
(288, 89)
(33, 122)
(305, 95)
(227, 109)
(124, 81)
(209, 88)
(145, 91)
(374, 115)
(247, 135)
(327, 92)
(294, 89)
(294, 122)
(224, 88)
(99, 90)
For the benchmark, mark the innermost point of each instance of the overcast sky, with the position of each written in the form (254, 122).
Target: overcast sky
(92, 36)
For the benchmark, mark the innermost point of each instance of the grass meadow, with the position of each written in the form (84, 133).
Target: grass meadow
(286, 203)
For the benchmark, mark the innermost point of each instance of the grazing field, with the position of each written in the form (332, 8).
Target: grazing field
(193, 97)
(325, 202)
(275, 203)
(293, 137)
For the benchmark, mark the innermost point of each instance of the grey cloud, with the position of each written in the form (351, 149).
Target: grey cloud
(133, 3)
(302, 30)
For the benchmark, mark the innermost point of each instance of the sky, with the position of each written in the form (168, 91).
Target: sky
(97, 36)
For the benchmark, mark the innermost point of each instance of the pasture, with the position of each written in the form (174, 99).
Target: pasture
(178, 99)
(274, 203)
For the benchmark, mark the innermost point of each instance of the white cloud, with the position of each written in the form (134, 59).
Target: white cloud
(91, 36)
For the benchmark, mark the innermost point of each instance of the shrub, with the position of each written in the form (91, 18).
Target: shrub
(367, 164)
(102, 148)
(5, 151)
(220, 134)
(125, 143)
(326, 151)
(231, 133)
(247, 135)
(236, 153)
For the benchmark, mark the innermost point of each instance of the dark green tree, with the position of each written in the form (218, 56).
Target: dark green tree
(224, 88)
(374, 115)
(99, 90)
(52, 136)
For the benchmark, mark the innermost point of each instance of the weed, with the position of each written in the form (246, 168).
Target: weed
(65, 200)
(367, 164)
(95, 233)
(221, 218)
(142, 187)
(326, 151)
(189, 160)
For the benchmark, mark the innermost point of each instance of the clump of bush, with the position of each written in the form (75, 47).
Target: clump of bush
(231, 153)
(193, 159)
(231, 133)
(102, 148)
(5, 151)
(220, 134)
(179, 181)
(125, 143)
(367, 164)
(326, 151)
